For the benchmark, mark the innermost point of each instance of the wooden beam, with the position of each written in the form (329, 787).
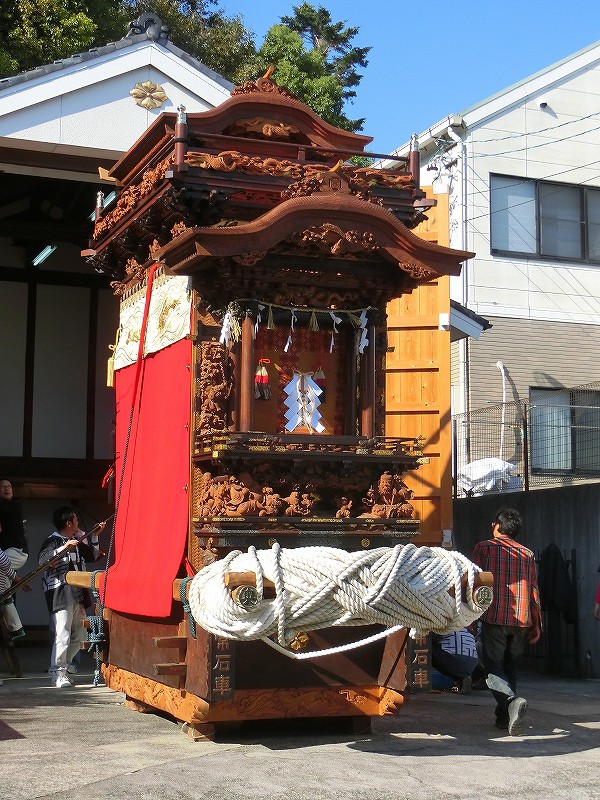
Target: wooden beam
(83, 579)
(247, 374)
(170, 669)
(169, 641)
(235, 579)
(367, 386)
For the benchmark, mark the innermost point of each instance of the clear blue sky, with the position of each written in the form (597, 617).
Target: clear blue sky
(431, 59)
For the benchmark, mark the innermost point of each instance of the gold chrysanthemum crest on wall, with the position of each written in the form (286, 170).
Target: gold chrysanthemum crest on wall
(148, 95)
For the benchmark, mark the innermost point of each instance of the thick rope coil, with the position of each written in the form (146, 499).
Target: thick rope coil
(322, 587)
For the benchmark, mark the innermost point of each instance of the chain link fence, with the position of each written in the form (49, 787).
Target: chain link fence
(551, 439)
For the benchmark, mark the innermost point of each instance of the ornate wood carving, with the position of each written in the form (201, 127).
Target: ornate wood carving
(264, 84)
(291, 492)
(367, 176)
(332, 239)
(234, 161)
(418, 272)
(316, 296)
(389, 499)
(250, 259)
(262, 128)
(330, 701)
(178, 229)
(181, 705)
(130, 196)
(214, 388)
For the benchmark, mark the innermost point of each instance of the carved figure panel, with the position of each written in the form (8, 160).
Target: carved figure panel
(389, 498)
(313, 491)
(214, 388)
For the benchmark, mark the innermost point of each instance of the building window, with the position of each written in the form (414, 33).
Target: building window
(551, 445)
(564, 430)
(543, 219)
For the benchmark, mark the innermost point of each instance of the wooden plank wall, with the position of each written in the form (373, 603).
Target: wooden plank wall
(418, 386)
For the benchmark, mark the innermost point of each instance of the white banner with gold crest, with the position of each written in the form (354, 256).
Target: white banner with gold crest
(169, 317)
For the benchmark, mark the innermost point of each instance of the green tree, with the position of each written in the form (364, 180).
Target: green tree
(35, 32)
(314, 55)
(331, 46)
(204, 31)
(304, 72)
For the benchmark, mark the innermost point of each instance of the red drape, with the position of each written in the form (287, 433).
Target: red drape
(152, 518)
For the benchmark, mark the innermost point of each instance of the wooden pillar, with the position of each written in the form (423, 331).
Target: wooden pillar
(367, 385)
(350, 423)
(236, 382)
(181, 140)
(246, 392)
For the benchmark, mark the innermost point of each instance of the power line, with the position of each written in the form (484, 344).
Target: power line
(541, 130)
(520, 268)
(519, 181)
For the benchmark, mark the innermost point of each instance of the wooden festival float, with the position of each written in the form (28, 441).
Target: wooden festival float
(254, 266)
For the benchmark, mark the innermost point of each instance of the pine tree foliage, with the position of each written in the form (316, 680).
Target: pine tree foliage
(314, 55)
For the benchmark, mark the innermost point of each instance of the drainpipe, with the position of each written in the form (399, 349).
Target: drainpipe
(463, 205)
(464, 343)
(502, 369)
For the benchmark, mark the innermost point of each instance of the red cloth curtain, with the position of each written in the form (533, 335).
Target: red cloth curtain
(152, 518)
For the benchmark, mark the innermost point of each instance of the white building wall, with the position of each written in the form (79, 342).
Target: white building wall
(553, 144)
(89, 106)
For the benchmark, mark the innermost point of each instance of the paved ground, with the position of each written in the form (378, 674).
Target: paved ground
(83, 743)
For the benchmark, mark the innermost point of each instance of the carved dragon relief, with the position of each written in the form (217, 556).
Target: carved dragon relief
(309, 178)
(261, 128)
(332, 239)
(234, 161)
(130, 196)
(417, 271)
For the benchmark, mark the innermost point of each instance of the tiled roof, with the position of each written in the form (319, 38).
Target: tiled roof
(96, 52)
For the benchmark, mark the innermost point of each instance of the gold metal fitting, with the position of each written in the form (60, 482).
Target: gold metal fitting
(483, 596)
(245, 596)
(299, 641)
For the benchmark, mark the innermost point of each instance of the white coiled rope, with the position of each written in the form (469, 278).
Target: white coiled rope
(322, 587)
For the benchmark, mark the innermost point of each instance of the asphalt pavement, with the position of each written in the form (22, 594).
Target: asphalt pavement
(83, 743)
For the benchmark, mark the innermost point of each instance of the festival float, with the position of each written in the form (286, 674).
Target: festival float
(270, 554)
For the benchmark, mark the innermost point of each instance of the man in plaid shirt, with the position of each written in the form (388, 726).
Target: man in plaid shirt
(514, 617)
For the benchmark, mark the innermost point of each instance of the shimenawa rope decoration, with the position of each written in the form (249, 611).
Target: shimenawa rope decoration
(321, 587)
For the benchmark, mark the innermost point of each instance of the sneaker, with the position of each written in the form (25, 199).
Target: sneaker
(17, 634)
(72, 669)
(516, 711)
(62, 682)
